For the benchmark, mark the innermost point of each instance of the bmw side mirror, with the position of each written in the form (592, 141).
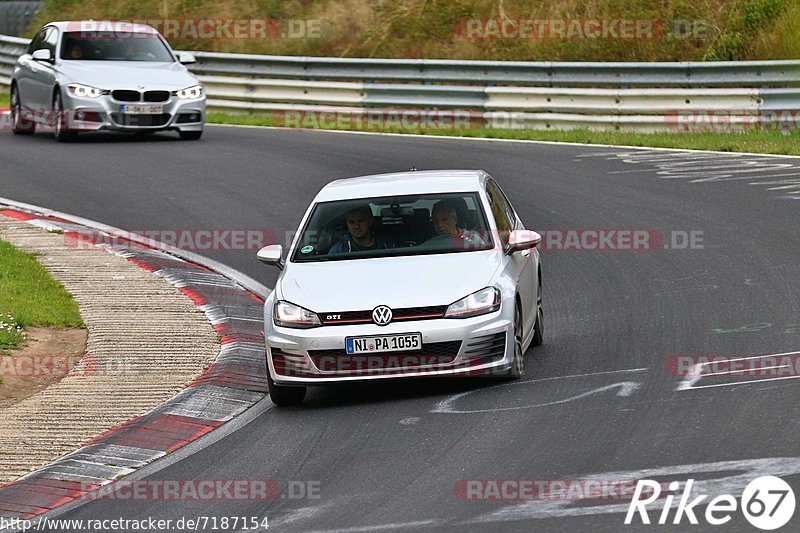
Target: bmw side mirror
(185, 58)
(271, 255)
(523, 239)
(42, 55)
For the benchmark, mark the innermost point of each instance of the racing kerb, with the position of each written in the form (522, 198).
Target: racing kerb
(509, 95)
(232, 384)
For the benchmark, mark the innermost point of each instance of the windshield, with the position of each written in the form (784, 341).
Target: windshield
(109, 46)
(394, 226)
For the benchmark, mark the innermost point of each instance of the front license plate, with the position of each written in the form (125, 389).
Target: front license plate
(141, 109)
(384, 343)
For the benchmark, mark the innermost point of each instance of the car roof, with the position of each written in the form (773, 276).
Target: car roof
(401, 183)
(101, 26)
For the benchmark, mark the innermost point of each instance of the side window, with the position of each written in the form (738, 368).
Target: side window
(50, 40)
(36, 42)
(501, 210)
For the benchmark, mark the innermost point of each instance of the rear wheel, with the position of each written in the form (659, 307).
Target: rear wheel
(538, 327)
(285, 396)
(60, 130)
(19, 125)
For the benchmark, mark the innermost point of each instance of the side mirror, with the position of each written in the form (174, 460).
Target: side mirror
(523, 239)
(271, 255)
(42, 55)
(185, 58)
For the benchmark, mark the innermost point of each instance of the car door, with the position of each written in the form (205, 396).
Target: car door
(25, 71)
(43, 76)
(520, 265)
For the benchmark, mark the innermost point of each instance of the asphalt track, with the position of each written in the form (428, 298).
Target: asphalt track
(596, 401)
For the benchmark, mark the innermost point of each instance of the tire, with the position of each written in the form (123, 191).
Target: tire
(538, 327)
(285, 396)
(60, 132)
(19, 125)
(190, 135)
(518, 364)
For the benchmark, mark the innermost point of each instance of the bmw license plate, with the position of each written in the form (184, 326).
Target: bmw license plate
(128, 109)
(384, 343)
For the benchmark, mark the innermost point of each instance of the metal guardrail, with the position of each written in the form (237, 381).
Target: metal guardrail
(634, 96)
(17, 15)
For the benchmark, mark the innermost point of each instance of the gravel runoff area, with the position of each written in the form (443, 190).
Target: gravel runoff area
(146, 342)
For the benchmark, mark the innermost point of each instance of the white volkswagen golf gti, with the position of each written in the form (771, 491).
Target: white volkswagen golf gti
(403, 275)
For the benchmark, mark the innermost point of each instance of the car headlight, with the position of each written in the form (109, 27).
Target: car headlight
(289, 315)
(190, 93)
(85, 91)
(478, 303)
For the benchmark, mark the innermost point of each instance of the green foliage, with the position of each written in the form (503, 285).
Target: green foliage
(691, 29)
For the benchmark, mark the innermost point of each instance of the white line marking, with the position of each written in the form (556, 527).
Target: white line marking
(381, 527)
(696, 373)
(729, 372)
(753, 382)
(626, 389)
(643, 149)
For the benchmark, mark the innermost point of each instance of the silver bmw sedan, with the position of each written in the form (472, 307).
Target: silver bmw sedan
(403, 276)
(92, 76)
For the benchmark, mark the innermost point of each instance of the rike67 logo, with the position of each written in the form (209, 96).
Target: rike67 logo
(767, 503)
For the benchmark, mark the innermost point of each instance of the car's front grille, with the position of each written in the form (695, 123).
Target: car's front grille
(156, 96)
(140, 120)
(363, 317)
(431, 354)
(126, 96)
(488, 348)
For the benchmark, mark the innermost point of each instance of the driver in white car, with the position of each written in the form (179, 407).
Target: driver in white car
(444, 217)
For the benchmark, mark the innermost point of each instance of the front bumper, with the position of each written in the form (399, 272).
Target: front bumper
(103, 114)
(477, 346)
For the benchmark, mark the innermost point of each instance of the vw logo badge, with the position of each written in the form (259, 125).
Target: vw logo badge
(381, 315)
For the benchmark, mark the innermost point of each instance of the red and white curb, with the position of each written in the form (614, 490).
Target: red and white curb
(236, 380)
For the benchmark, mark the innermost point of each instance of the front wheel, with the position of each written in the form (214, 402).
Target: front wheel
(60, 129)
(19, 125)
(285, 396)
(518, 364)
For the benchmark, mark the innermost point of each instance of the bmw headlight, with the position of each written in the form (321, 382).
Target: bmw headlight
(289, 315)
(85, 91)
(478, 303)
(190, 93)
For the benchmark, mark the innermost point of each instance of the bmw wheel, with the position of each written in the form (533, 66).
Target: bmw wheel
(60, 130)
(19, 125)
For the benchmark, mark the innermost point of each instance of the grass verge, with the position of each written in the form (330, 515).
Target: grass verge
(4, 98)
(758, 141)
(29, 297)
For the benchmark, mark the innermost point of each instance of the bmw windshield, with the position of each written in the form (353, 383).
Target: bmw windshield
(394, 226)
(110, 46)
